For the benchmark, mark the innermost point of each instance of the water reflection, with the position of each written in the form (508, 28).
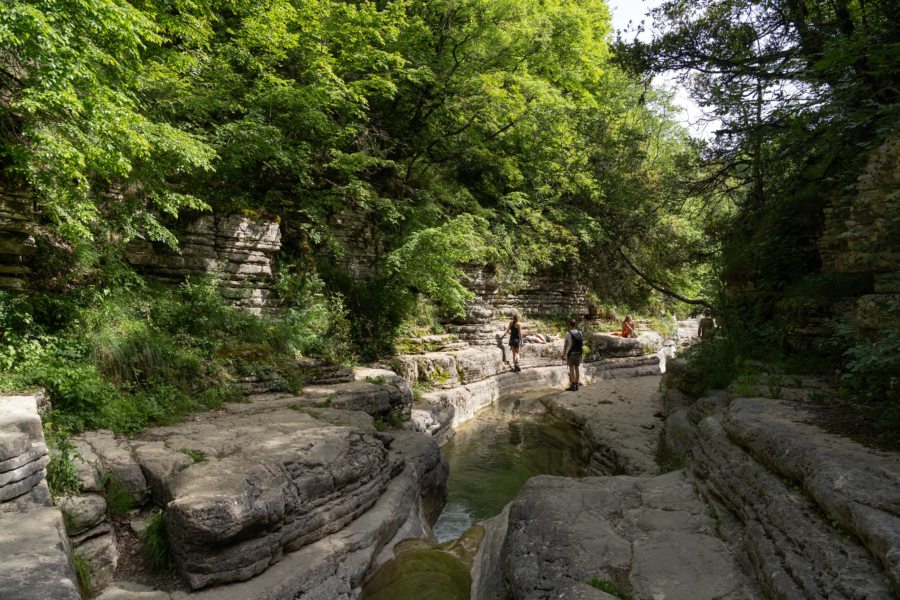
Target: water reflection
(492, 456)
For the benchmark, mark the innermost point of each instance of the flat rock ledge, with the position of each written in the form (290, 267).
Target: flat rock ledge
(471, 379)
(813, 514)
(620, 421)
(298, 484)
(650, 537)
(36, 562)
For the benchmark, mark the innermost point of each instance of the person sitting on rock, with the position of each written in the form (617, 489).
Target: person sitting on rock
(629, 328)
(534, 338)
(514, 329)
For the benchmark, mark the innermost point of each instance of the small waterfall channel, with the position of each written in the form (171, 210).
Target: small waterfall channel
(491, 458)
(493, 455)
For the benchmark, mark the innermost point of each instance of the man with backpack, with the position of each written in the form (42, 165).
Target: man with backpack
(572, 349)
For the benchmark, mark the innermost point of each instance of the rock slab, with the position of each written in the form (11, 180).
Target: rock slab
(647, 536)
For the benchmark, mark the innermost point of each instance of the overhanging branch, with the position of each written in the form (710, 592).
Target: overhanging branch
(661, 289)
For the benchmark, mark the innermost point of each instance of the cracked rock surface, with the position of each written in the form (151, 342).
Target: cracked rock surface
(650, 537)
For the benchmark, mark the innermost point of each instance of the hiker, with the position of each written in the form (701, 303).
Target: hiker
(514, 329)
(572, 349)
(629, 328)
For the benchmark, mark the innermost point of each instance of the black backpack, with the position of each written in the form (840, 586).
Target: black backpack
(577, 341)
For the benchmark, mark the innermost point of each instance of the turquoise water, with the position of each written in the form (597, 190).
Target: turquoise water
(492, 456)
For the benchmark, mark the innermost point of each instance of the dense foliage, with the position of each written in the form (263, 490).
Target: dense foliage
(803, 91)
(460, 131)
(412, 113)
(119, 353)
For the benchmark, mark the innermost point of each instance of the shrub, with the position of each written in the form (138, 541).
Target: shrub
(62, 475)
(872, 369)
(609, 587)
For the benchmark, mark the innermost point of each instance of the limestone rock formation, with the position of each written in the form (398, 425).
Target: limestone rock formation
(36, 562)
(814, 514)
(611, 346)
(423, 452)
(333, 567)
(650, 537)
(472, 388)
(16, 241)
(236, 251)
(106, 456)
(303, 483)
(82, 513)
(617, 423)
(239, 510)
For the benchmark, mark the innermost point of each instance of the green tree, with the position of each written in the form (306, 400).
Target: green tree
(75, 133)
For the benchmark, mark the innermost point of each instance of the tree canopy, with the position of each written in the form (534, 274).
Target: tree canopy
(423, 116)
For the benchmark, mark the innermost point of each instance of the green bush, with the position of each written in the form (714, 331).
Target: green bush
(62, 474)
(609, 587)
(118, 353)
(712, 364)
(872, 369)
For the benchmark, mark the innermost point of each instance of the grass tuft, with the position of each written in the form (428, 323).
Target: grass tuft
(154, 541)
(610, 587)
(82, 567)
(118, 496)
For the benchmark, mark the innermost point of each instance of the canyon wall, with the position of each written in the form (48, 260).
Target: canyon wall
(16, 241)
(236, 251)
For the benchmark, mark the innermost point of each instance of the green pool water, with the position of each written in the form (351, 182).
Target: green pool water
(492, 456)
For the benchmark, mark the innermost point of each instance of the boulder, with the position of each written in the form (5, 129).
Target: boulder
(35, 563)
(103, 557)
(604, 345)
(82, 513)
(270, 483)
(333, 567)
(87, 465)
(115, 458)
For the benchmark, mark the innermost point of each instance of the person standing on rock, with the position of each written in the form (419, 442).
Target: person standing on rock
(572, 349)
(514, 329)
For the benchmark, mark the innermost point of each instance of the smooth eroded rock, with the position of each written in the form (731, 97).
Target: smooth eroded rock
(562, 534)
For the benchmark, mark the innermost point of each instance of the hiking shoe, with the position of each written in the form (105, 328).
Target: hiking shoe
(571, 388)
(517, 368)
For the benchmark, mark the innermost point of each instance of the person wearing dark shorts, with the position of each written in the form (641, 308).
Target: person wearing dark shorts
(572, 351)
(514, 329)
